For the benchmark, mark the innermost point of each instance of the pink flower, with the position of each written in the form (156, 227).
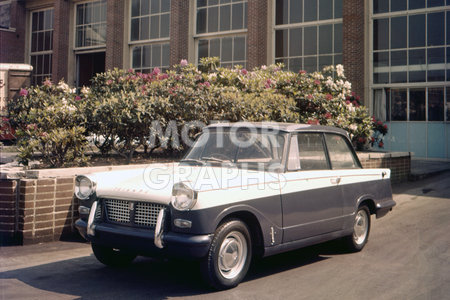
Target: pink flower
(328, 115)
(309, 97)
(385, 126)
(361, 140)
(372, 139)
(347, 102)
(109, 82)
(130, 70)
(156, 71)
(302, 72)
(163, 76)
(353, 94)
(316, 82)
(313, 122)
(379, 123)
(183, 63)
(329, 97)
(244, 71)
(78, 98)
(207, 84)
(47, 82)
(380, 144)
(23, 92)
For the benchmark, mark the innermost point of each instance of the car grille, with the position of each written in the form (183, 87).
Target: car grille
(132, 213)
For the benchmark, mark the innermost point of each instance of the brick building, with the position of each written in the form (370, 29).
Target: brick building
(396, 53)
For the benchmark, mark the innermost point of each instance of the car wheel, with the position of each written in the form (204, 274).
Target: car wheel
(112, 257)
(229, 255)
(361, 229)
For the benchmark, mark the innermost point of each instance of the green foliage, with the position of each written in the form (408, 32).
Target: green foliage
(120, 110)
(50, 120)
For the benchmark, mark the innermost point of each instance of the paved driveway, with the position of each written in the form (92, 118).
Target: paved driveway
(407, 257)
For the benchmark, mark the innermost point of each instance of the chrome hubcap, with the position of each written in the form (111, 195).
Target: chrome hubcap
(232, 254)
(361, 227)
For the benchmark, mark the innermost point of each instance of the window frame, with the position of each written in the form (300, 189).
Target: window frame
(147, 42)
(75, 28)
(316, 24)
(221, 34)
(34, 76)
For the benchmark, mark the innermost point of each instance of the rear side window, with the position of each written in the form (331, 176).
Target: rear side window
(340, 152)
(312, 152)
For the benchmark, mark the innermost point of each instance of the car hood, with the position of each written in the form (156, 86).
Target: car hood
(154, 183)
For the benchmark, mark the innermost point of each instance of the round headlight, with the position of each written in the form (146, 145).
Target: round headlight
(84, 187)
(183, 197)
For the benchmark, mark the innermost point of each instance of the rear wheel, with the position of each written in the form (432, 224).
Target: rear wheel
(229, 256)
(361, 230)
(112, 257)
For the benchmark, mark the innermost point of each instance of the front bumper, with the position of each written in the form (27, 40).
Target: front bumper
(142, 241)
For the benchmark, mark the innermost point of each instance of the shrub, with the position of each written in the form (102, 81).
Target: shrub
(50, 120)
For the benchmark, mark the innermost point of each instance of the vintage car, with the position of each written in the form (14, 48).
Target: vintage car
(243, 190)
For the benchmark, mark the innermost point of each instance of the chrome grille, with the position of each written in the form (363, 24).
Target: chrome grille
(118, 210)
(146, 214)
(132, 213)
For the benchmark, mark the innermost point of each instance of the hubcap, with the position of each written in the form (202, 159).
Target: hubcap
(361, 227)
(232, 254)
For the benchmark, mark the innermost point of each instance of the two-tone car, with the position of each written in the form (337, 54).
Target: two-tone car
(243, 190)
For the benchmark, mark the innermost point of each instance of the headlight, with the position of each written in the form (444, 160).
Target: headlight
(183, 197)
(84, 187)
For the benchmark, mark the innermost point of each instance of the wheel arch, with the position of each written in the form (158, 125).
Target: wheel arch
(253, 223)
(369, 202)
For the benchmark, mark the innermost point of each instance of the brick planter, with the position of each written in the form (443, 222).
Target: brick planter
(39, 206)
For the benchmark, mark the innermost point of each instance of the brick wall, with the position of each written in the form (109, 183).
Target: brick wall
(7, 210)
(12, 43)
(60, 57)
(399, 163)
(353, 43)
(256, 33)
(179, 31)
(114, 34)
(46, 210)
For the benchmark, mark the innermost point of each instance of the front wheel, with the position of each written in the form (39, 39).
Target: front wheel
(112, 257)
(229, 255)
(361, 229)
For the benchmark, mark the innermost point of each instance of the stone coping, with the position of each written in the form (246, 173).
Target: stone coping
(18, 172)
(377, 155)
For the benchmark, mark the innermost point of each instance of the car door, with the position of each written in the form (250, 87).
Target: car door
(312, 199)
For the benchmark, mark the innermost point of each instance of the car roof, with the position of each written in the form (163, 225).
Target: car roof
(286, 127)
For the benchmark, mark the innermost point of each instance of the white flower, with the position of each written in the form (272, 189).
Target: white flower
(212, 76)
(85, 90)
(347, 85)
(340, 70)
(329, 83)
(263, 67)
(353, 127)
(63, 86)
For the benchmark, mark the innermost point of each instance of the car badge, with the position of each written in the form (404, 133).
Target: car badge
(131, 206)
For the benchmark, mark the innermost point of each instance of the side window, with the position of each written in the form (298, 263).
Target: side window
(312, 152)
(341, 155)
(293, 160)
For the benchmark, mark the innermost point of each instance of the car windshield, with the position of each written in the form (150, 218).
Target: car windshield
(241, 148)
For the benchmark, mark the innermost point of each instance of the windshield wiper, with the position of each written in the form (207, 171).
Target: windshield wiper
(193, 160)
(210, 158)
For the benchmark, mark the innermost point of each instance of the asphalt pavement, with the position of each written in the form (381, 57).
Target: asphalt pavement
(407, 257)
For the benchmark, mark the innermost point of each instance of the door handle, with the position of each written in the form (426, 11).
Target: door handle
(335, 180)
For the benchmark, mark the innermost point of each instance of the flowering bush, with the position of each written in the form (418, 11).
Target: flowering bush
(124, 109)
(49, 119)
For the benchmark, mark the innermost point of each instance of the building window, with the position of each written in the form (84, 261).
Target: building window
(308, 34)
(412, 104)
(90, 30)
(149, 34)
(5, 15)
(410, 43)
(221, 30)
(41, 45)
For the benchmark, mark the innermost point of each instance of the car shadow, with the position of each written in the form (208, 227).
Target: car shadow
(146, 278)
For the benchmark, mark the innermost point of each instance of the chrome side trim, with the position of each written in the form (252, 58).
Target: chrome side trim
(159, 229)
(90, 224)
